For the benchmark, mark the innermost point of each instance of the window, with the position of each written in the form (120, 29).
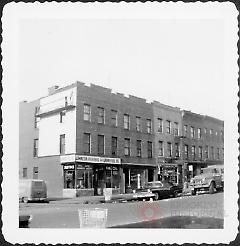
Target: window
(126, 121)
(186, 151)
(62, 116)
(100, 118)
(87, 112)
(222, 153)
(36, 119)
(218, 153)
(192, 132)
(139, 148)
(149, 126)
(200, 152)
(149, 149)
(185, 130)
(222, 136)
(212, 152)
(127, 147)
(114, 146)
(169, 149)
(168, 129)
(35, 172)
(24, 172)
(205, 131)
(138, 124)
(160, 148)
(193, 152)
(206, 152)
(159, 125)
(100, 144)
(62, 144)
(113, 118)
(86, 143)
(175, 128)
(199, 133)
(211, 132)
(177, 150)
(35, 147)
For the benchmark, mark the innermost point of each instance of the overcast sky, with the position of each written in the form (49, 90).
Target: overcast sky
(177, 62)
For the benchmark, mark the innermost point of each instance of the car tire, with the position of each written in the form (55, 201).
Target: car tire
(212, 188)
(157, 197)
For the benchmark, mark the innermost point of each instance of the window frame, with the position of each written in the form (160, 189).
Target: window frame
(35, 147)
(87, 144)
(114, 118)
(87, 113)
(138, 124)
(139, 148)
(149, 149)
(100, 136)
(160, 148)
(168, 127)
(62, 144)
(126, 121)
(127, 146)
(100, 115)
(149, 126)
(114, 146)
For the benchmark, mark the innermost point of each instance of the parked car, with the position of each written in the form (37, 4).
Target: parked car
(24, 220)
(32, 190)
(211, 179)
(141, 195)
(162, 189)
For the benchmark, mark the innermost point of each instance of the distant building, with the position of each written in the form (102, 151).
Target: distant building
(82, 139)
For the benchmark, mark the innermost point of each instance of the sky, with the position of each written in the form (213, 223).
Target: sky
(178, 62)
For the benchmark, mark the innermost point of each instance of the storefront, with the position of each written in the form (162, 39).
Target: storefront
(89, 175)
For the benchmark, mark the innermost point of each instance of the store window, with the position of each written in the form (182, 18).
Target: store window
(176, 130)
(35, 172)
(169, 149)
(87, 143)
(168, 127)
(100, 118)
(177, 150)
(138, 124)
(149, 149)
(69, 177)
(139, 148)
(149, 126)
(114, 118)
(86, 112)
(112, 177)
(126, 121)
(35, 147)
(84, 177)
(160, 148)
(24, 174)
(62, 144)
(101, 144)
(160, 125)
(114, 146)
(127, 147)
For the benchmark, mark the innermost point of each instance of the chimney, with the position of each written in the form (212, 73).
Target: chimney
(52, 89)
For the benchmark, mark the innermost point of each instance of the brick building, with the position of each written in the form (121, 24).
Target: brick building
(82, 139)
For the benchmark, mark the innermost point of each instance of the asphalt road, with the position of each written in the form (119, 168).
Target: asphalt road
(65, 215)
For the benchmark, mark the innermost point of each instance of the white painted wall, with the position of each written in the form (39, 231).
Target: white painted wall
(50, 127)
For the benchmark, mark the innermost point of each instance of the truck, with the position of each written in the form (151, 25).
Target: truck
(211, 179)
(32, 190)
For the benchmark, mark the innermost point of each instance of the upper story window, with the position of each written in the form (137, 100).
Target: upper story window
(177, 149)
(113, 118)
(139, 148)
(87, 112)
(86, 143)
(138, 124)
(185, 130)
(36, 119)
(211, 132)
(149, 149)
(126, 146)
(199, 133)
(200, 152)
(194, 152)
(114, 146)
(168, 127)
(186, 151)
(24, 174)
(126, 121)
(62, 144)
(222, 136)
(176, 130)
(169, 149)
(160, 125)
(100, 144)
(62, 116)
(160, 148)
(35, 147)
(205, 131)
(212, 152)
(100, 118)
(206, 152)
(35, 172)
(149, 126)
(192, 132)
(218, 153)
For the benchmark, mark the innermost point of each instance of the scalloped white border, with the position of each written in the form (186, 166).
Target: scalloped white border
(12, 13)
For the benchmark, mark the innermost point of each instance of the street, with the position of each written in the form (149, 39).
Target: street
(64, 214)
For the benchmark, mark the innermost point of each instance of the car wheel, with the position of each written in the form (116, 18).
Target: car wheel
(25, 199)
(156, 196)
(212, 188)
(175, 194)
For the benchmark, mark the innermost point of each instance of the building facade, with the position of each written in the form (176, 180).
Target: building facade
(82, 139)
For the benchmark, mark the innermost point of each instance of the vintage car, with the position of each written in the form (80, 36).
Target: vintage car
(211, 179)
(162, 189)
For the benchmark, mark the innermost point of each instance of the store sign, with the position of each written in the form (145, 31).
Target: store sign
(96, 159)
(67, 158)
(68, 167)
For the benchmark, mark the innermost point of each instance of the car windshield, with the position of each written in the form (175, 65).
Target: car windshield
(152, 184)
